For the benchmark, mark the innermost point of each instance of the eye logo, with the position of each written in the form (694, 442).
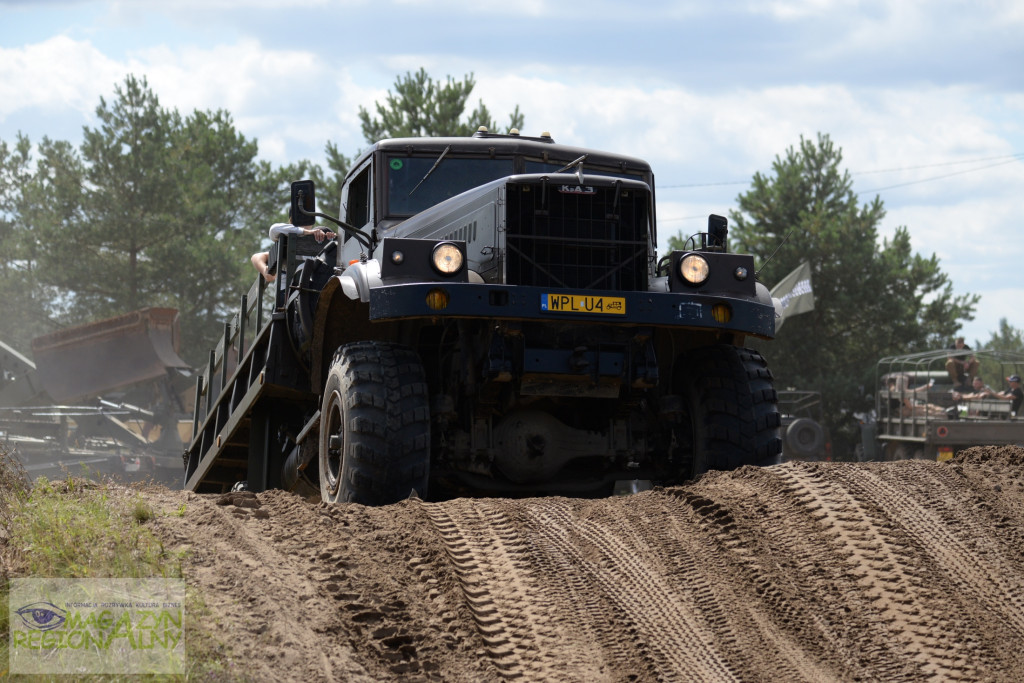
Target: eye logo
(42, 616)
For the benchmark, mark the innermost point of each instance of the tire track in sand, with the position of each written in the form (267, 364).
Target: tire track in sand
(491, 561)
(673, 639)
(952, 550)
(758, 610)
(889, 578)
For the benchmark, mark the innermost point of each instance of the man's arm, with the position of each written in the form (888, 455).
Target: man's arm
(278, 229)
(923, 387)
(973, 396)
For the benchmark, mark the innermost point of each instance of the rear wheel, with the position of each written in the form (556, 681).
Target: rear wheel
(732, 407)
(805, 438)
(374, 426)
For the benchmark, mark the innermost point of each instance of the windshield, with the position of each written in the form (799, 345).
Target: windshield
(411, 189)
(555, 166)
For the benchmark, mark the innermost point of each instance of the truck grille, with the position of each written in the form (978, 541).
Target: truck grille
(576, 241)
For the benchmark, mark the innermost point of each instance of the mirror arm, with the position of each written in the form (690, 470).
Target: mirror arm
(358, 234)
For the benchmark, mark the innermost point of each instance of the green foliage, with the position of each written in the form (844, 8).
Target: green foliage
(141, 511)
(423, 107)
(14, 489)
(1006, 338)
(871, 299)
(677, 242)
(328, 188)
(156, 208)
(75, 529)
(30, 303)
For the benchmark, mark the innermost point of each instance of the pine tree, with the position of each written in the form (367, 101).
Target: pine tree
(871, 299)
(423, 107)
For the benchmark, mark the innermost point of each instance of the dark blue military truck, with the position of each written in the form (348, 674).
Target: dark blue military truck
(491, 320)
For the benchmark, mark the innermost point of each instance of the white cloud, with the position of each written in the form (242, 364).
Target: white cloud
(273, 94)
(58, 73)
(743, 130)
(996, 303)
(967, 236)
(689, 134)
(240, 77)
(789, 10)
(531, 8)
(139, 7)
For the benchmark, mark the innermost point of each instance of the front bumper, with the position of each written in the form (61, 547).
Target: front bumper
(507, 302)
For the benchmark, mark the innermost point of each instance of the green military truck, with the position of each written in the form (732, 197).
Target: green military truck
(491, 320)
(920, 413)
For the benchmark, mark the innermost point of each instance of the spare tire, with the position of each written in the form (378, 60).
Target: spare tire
(805, 437)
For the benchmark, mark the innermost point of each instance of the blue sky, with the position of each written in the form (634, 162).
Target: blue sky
(925, 97)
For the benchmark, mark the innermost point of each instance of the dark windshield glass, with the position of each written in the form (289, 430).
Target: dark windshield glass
(552, 167)
(451, 177)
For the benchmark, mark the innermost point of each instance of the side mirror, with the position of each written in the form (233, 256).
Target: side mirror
(718, 228)
(303, 203)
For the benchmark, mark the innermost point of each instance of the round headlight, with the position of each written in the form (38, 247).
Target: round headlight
(693, 268)
(447, 258)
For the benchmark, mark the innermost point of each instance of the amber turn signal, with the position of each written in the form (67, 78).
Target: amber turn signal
(437, 299)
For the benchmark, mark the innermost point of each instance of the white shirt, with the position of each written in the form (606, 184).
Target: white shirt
(278, 229)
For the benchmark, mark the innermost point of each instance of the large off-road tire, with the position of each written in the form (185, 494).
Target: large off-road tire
(374, 426)
(805, 438)
(732, 407)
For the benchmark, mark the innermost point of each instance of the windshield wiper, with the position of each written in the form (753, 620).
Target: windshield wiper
(436, 164)
(575, 162)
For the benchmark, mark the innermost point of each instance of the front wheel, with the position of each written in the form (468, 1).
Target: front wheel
(732, 407)
(374, 426)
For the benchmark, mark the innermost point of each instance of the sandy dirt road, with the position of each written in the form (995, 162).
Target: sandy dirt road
(905, 571)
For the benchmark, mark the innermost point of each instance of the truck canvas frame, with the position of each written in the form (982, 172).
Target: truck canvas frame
(935, 425)
(491, 320)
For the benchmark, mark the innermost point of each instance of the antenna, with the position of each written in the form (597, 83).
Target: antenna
(784, 239)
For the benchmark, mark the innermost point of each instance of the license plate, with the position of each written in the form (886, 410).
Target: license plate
(581, 303)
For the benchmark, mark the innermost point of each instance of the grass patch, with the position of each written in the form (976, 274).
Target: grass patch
(77, 528)
(141, 512)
